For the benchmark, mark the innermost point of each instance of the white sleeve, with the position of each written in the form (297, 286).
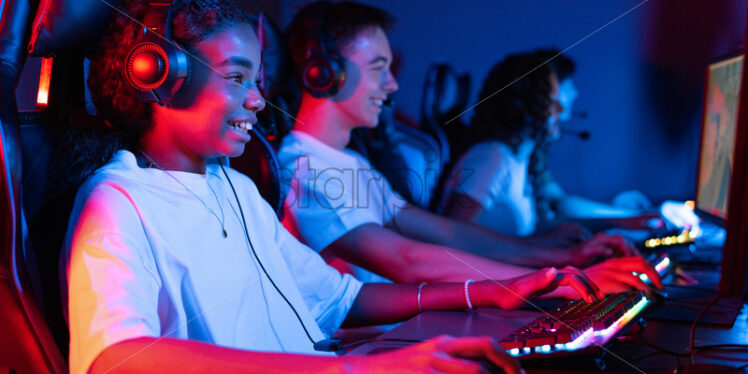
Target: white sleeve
(112, 284)
(482, 175)
(321, 206)
(328, 294)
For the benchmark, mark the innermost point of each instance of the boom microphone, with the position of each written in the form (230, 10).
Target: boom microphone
(581, 134)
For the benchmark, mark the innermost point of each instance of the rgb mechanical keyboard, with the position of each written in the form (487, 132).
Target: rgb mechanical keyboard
(577, 325)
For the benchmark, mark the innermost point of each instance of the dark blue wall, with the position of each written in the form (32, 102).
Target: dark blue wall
(640, 77)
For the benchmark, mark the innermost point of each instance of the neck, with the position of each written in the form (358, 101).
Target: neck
(322, 120)
(168, 156)
(525, 149)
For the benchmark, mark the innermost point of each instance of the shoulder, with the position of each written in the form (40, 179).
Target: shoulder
(486, 158)
(485, 153)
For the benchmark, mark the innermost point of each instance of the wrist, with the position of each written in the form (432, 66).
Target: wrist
(485, 293)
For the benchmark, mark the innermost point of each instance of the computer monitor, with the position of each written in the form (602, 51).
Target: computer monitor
(722, 185)
(723, 80)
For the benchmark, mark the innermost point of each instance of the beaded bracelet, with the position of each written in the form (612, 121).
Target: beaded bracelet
(467, 295)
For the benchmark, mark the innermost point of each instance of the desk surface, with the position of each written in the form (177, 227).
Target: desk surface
(624, 357)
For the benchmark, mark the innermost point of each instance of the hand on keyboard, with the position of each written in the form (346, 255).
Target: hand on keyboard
(512, 293)
(443, 354)
(599, 247)
(616, 275)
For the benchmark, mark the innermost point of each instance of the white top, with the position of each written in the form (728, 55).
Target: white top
(332, 192)
(146, 258)
(491, 174)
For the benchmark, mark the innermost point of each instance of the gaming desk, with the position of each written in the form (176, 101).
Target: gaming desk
(621, 355)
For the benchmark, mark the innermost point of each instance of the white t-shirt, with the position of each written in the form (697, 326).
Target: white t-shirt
(491, 174)
(332, 192)
(145, 257)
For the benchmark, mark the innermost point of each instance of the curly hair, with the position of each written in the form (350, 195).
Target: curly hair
(515, 105)
(515, 102)
(560, 64)
(337, 24)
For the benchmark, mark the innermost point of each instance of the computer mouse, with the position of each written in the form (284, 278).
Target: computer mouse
(708, 369)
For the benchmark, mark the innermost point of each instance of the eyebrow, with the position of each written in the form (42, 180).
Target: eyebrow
(239, 61)
(378, 59)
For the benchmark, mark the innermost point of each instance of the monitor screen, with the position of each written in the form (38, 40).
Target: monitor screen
(718, 136)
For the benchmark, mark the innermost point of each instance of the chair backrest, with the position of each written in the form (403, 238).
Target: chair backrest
(26, 344)
(445, 97)
(407, 157)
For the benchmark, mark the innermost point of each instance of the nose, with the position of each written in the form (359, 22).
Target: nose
(254, 100)
(390, 84)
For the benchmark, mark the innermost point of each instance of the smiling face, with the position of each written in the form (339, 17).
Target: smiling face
(368, 81)
(213, 116)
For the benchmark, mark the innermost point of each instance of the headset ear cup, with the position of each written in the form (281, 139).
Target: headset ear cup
(157, 68)
(322, 77)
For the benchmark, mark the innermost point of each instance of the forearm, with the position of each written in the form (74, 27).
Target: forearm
(389, 254)
(435, 263)
(478, 240)
(576, 207)
(379, 303)
(169, 355)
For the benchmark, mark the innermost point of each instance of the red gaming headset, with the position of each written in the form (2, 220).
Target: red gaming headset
(156, 66)
(322, 73)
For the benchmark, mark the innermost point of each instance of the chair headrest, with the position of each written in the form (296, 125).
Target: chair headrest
(275, 62)
(13, 26)
(62, 25)
(445, 92)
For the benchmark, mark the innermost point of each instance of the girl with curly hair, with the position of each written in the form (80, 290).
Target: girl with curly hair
(502, 181)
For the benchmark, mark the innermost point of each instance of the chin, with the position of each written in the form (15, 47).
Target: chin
(234, 151)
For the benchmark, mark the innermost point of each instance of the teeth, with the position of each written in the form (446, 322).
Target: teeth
(378, 102)
(242, 125)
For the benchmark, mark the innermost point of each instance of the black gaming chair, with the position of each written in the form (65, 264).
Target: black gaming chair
(408, 157)
(445, 98)
(26, 343)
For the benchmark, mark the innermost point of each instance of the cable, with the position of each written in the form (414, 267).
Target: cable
(691, 339)
(246, 233)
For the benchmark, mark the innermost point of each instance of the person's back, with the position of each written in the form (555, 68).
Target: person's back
(491, 174)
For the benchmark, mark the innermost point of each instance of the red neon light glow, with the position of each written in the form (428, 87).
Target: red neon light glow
(145, 67)
(45, 76)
